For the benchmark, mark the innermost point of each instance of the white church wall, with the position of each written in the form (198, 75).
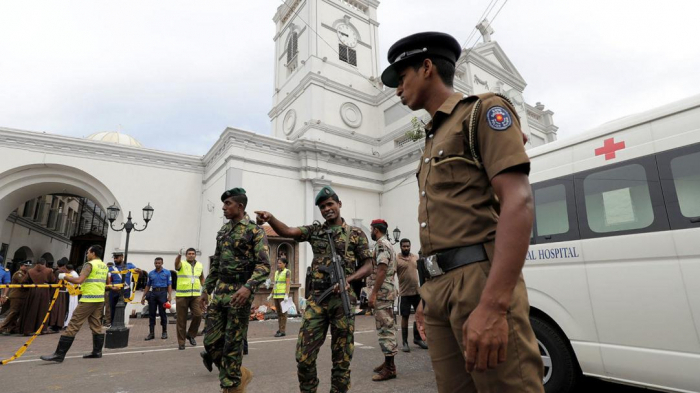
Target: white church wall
(18, 236)
(399, 206)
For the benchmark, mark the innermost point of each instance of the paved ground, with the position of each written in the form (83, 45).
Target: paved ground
(157, 365)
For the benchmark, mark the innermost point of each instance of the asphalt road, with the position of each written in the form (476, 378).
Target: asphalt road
(157, 365)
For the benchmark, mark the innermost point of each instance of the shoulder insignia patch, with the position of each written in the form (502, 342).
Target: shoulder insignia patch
(499, 118)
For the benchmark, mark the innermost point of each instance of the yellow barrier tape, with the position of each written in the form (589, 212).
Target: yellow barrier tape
(26, 345)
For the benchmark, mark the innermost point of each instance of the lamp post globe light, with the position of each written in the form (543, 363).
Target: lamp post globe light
(118, 333)
(397, 235)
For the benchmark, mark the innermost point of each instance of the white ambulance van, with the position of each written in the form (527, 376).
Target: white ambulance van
(613, 270)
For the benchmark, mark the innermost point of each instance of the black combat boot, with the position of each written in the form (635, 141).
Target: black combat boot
(64, 344)
(151, 335)
(404, 335)
(98, 341)
(165, 333)
(207, 360)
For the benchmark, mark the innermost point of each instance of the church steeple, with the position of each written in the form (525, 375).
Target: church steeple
(326, 68)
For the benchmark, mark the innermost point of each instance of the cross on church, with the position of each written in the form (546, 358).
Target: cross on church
(485, 29)
(609, 148)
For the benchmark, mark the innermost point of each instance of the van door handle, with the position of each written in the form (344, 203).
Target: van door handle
(548, 237)
(695, 219)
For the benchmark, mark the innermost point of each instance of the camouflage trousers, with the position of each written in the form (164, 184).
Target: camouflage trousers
(225, 330)
(386, 326)
(312, 334)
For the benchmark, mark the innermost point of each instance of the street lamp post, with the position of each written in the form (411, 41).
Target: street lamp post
(118, 333)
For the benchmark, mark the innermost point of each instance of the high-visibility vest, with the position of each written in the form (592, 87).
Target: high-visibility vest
(188, 280)
(280, 288)
(93, 287)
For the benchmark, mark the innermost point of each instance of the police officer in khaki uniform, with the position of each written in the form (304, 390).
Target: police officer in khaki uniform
(475, 215)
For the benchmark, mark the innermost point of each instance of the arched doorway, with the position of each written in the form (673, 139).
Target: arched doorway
(34, 182)
(22, 254)
(48, 258)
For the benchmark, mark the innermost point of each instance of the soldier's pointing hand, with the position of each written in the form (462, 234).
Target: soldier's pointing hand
(262, 217)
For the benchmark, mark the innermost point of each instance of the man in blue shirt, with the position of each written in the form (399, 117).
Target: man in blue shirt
(157, 292)
(116, 278)
(5, 278)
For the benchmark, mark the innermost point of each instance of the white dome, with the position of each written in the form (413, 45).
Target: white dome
(115, 137)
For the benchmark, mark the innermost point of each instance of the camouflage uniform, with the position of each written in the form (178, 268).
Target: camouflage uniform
(241, 252)
(384, 306)
(351, 244)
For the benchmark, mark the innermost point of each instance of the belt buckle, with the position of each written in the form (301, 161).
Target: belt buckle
(431, 265)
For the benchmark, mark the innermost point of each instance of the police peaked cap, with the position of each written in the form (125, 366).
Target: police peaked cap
(424, 45)
(232, 192)
(27, 263)
(118, 253)
(325, 193)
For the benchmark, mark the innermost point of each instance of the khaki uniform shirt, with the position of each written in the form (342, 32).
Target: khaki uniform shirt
(19, 293)
(384, 255)
(407, 268)
(458, 206)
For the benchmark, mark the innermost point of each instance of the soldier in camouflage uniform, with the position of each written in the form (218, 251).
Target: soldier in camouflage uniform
(382, 298)
(241, 263)
(351, 244)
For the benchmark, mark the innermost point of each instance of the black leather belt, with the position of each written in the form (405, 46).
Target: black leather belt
(442, 262)
(240, 278)
(159, 289)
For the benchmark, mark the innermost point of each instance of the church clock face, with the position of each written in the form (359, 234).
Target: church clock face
(347, 35)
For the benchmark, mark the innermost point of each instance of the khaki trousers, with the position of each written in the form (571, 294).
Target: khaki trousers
(12, 319)
(92, 312)
(281, 316)
(449, 300)
(184, 304)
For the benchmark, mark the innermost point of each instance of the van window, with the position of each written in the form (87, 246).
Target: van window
(551, 216)
(618, 199)
(686, 179)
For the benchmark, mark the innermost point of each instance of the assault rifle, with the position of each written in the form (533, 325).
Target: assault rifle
(336, 271)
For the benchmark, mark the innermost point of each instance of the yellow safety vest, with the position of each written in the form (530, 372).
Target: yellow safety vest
(188, 281)
(280, 288)
(93, 287)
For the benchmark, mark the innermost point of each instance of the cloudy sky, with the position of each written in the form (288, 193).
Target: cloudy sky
(174, 74)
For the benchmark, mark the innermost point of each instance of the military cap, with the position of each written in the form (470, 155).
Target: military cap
(379, 223)
(325, 193)
(428, 44)
(27, 263)
(232, 192)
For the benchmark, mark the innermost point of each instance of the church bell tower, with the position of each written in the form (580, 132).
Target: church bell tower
(326, 71)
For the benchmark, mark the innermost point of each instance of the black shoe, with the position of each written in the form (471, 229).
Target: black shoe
(192, 341)
(421, 343)
(98, 341)
(181, 347)
(150, 337)
(207, 360)
(280, 334)
(164, 335)
(405, 347)
(64, 344)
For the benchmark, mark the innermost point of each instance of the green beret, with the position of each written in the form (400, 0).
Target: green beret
(232, 192)
(325, 193)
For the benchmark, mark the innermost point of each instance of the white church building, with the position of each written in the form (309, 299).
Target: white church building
(333, 123)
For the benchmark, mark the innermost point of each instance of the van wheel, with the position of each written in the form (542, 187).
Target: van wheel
(560, 367)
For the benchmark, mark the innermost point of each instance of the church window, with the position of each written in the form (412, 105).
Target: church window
(292, 51)
(347, 54)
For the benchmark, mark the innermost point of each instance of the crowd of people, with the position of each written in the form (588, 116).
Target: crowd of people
(25, 308)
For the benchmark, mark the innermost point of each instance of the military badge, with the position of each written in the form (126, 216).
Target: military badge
(499, 119)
